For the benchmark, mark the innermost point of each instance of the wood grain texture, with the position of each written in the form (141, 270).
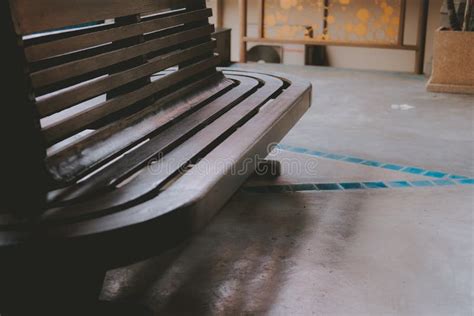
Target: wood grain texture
(94, 38)
(188, 204)
(104, 198)
(74, 124)
(86, 154)
(179, 144)
(60, 101)
(168, 165)
(172, 137)
(111, 100)
(83, 66)
(41, 15)
(268, 125)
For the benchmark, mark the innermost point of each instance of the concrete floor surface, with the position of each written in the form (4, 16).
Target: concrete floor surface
(390, 251)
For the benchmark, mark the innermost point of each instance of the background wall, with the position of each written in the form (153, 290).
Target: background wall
(348, 57)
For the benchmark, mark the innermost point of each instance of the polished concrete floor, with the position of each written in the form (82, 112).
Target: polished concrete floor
(308, 243)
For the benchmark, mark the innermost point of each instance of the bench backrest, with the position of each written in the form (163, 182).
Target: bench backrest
(78, 70)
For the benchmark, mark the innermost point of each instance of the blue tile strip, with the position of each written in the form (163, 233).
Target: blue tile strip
(335, 157)
(353, 160)
(303, 187)
(375, 185)
(328, 186)
(456, 177)
(466, 181)
(354, 186)
(372, 163)
(440, 179)
(406, 169)
(442, 182)
(413, 170)
(392, 167)
(399, 184)
(435, 174)
(422, 183)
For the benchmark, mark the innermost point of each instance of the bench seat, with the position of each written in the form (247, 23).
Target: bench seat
(122, 139)
(183, 174)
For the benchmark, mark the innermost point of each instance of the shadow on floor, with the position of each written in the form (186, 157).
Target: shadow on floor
(239, 263)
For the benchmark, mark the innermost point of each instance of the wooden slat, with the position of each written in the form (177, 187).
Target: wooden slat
(86, 154)
(68, 127)
(165, 142)
(73, 96)
(194, 193)
(83, 66)
(40, 15)
(130, 63)
(64, 59)
(56, 35)
(75, 43)
(208, 192)
(147, 181)
(63, 84)
(135, 200)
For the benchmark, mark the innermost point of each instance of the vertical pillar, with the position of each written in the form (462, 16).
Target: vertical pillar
(219, 14)
(421, 38)
(243, 30)
(401, 26)
(261, 18)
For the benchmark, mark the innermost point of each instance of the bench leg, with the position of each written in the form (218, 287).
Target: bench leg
(268, 168)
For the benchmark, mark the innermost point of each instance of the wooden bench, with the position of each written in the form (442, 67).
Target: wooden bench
(120, 138)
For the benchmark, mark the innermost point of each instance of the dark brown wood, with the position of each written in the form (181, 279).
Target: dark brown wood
(165, 145)
(133, 83)
(75, 95)
(93, 113)
(195, 4)
(223, 43)
(165, 141)
(206, 119)
(93, 151)
(93, 38)
(67, 127)
(20, 138)
(269, 125)
(37, 16)
(80, 67)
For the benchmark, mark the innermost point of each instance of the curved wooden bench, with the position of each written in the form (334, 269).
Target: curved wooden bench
(127, 139)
